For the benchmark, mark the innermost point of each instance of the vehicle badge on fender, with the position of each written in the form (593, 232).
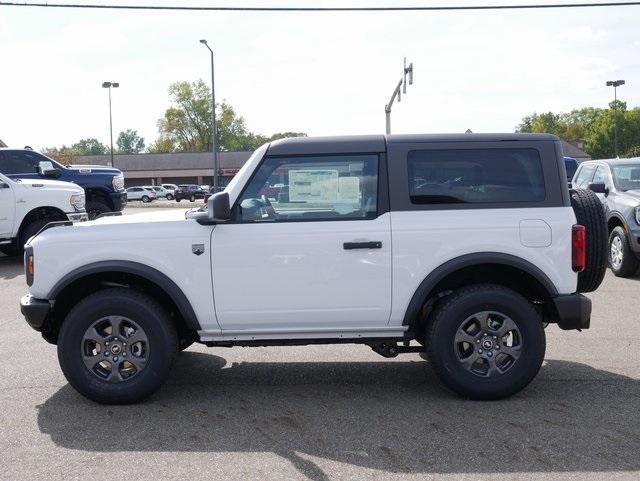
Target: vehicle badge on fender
(197, 249)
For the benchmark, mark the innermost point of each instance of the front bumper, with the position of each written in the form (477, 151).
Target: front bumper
(119, 200)
(573, 311)
(78, 217)
(35, 311)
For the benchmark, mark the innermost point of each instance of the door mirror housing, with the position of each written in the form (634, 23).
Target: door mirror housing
(219, 207)
(46, 169)
(599, 188)
(218, 210)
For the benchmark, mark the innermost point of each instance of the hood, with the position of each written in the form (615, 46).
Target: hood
(139, 218)
(49, 185)
(633, 193)
(94, 169)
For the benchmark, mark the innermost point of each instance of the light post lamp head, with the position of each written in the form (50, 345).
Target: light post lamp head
(615, 83)
(203, 41)
(107, 85)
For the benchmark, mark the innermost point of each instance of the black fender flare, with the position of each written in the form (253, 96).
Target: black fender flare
(469, 260)
(135, 268)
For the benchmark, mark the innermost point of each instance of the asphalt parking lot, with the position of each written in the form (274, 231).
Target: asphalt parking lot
(328, 412)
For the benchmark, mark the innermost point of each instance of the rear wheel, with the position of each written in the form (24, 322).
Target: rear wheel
(169, 197)
(117, 346)
(622, 260)
(590, 213)
(192, 198)
(485, 342)
(146, 199)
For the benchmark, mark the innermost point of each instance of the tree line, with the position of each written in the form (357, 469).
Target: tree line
(593, 126)
(185, 127)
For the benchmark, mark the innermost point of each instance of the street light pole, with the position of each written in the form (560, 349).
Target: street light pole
(214, 129)
(615, 84)
(108, 85)
(396, 93)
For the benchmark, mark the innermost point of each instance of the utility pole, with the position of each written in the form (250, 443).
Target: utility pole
(615, 84)
(109, 85)
(406, 71)
(214, 129)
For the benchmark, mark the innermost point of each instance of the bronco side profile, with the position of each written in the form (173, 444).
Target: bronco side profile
(459, 246)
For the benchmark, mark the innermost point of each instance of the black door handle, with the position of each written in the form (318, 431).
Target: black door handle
(362, 245)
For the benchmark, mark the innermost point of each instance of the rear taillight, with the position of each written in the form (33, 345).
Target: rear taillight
(578, 248)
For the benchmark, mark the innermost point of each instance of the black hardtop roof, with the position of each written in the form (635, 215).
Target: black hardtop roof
(377, 143)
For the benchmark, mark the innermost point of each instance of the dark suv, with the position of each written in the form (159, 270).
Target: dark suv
(617, 184)
(189, 192)
(103, 186)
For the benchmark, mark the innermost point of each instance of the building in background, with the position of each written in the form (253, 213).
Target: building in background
(171, 168)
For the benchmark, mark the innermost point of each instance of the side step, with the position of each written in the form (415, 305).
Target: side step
(392, 349)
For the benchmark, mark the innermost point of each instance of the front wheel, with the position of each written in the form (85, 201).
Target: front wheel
(622, 260)
(117, 346)
(192, 198)
(486, 342)
(169, 197)
(146, 199)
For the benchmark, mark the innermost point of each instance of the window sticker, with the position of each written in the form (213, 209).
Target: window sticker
(317, 185)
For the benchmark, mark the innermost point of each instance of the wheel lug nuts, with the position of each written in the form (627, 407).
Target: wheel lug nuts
(115, 358)
(478, 340)
(498, 346)
(489, 354)
(479, 351)
(124, 354)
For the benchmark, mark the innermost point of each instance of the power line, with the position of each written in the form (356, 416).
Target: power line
(321, 9)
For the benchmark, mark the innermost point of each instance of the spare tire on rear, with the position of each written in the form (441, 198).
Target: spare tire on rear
(590, 213)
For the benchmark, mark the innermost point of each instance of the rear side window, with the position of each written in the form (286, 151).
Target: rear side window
(475, 176)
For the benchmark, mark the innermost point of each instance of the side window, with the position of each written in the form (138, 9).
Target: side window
(601, 176)
(475, 176)
(18, 162)
(336, 187)
(584, 176)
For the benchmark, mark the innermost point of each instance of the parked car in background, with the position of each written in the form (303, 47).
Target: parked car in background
(617, 183)
(161, 192)
(171, 189)
(189, 192)
(26, 206)
(570, 165)
(103, 186)
(140, 193)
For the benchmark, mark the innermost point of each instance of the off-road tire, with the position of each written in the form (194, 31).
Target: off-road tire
(590, 213)
(452, 311)
(148, 314)
(94, 208)
(630, 262)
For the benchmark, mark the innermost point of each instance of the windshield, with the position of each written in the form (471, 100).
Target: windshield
(259, 152)
(627, 176)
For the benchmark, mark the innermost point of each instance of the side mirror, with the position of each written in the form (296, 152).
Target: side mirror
(219, 208)
(599, 188)
(46, 169)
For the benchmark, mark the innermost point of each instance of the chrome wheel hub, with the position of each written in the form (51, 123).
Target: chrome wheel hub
(616, 252)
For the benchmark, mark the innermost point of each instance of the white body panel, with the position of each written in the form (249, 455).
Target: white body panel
(298, 274)
(23, 196)
(424, 240)
(162, 241)
(139, 194)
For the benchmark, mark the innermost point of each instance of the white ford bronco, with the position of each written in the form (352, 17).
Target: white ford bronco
(27, 205)
(460, 247)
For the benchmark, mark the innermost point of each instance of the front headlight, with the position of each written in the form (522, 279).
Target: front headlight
(77, 201)
(638, 215)
(118, 182)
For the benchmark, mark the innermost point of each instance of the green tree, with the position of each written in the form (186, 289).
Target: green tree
(186, 125)
(129, 142)
(593, 125)
(89, 146)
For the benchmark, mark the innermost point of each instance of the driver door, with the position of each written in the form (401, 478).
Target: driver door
(309, 248)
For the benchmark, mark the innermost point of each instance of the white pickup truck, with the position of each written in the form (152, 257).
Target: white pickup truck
(27, 205)
(461, 247)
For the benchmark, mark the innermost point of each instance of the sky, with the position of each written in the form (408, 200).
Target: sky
(319, 73)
